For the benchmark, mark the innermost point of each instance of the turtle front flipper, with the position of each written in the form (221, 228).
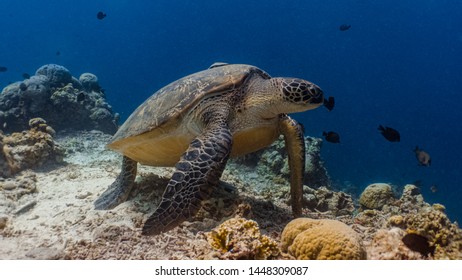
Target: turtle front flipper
(195, 176)
(295, 145)
(118, 191)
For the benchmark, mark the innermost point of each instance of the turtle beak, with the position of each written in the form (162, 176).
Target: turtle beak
(316, 96)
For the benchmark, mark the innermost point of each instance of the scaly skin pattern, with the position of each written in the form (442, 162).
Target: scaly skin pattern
(196, 175)
(119, 190)
(295, 145)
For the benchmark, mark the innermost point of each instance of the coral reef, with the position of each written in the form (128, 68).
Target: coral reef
(375, 196)
(64, 101)
(424, 229)
(272, 163)
(309, 239)
(239, 238)
(387, 244)
(325, 200)
(28, 149)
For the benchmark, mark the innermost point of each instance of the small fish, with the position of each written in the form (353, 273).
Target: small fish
(58, 53)
(329, 103)
(433, 188)
(22, 86)
(25, 75)
(344, 27)
(3, 69)
(331, 136)
(422, 156)
(100, 15)
(80, 96)
(389, 133)
(418, 243)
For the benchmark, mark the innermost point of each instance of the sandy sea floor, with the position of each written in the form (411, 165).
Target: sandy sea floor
(56, 219)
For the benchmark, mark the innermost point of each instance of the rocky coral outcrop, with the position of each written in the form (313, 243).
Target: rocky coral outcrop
(272, 163)
(239, 238)
(28, 149)
(375, 196)
(309, 239)
(63, 100)
(424, 229)
(325, 200)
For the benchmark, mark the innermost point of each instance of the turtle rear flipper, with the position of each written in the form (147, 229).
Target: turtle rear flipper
(119, 190)
(197, 172)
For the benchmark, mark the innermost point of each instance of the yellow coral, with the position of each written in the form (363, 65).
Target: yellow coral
(375, 196)
(323, 239)
(239, 238)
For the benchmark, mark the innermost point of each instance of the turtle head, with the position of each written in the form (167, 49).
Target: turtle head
(300, 95)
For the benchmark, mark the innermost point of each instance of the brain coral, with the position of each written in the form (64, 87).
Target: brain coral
(375, 196)
(309, 239)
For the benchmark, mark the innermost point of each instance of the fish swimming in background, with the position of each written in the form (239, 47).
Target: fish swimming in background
(389, 133)
(100, 15)
(58, 53)
(422, 156)
(329, 103)
(3, 69)
(331, 136)
(25, 75)
(344, 27)
(433, 188)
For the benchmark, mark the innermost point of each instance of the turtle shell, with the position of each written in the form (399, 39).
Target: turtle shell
(165, 109)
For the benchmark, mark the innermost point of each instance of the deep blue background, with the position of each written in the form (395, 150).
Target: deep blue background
(399, 65)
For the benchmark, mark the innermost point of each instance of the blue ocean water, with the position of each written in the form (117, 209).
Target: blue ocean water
(399, 65)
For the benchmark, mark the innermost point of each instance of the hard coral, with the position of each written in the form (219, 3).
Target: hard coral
(64, 101)
(28, 149)
(323, 239)
(375, 196)
(239, 238)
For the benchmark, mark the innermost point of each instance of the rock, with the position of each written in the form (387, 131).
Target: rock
(272, 163)
(28, 149)
(309, 239)
(325, 200)
(54, 95)
(375, 196)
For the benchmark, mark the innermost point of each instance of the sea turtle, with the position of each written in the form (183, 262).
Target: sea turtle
(196, 123)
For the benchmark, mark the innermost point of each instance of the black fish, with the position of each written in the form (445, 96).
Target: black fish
(22, 86)
(344, 27)
(25, 75)
(331, 136)
(3, 69)
(58, 53)
(329, 103)
(80, 96)
(422, 156)
(418, 243)
(389, 133)
(100, 15)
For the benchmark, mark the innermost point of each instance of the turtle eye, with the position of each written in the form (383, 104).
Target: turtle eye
(301, 91)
